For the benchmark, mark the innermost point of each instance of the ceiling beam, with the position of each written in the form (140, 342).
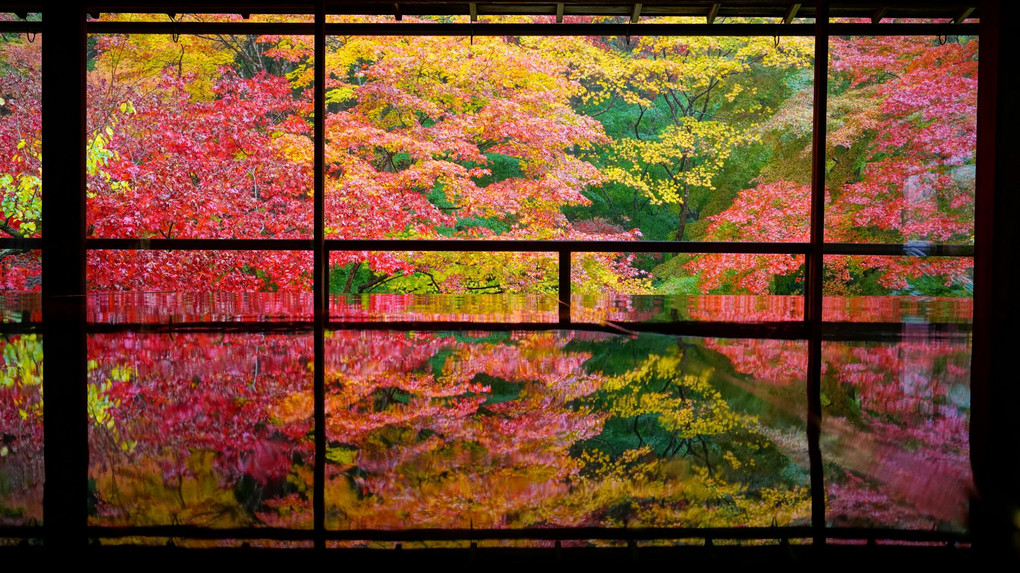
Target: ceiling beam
(963, 15)
(635, 14)
(712, 13)
(791, 13)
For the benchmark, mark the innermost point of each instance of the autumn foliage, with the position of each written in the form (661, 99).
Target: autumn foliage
(501, 138)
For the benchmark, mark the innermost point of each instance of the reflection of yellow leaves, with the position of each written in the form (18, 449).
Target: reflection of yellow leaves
(135, 493)
(293, 409)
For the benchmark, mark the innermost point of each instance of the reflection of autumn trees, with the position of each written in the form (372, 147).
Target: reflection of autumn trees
(424, 430)
(896, 418)
(21, 429)
(193, 428)
(501, 430)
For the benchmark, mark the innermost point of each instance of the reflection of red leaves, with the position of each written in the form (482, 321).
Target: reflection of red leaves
(908, 439)
(189, 393)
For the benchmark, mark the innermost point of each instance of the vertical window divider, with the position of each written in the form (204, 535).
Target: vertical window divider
(814, 269)
(65, 419)
(320, 277)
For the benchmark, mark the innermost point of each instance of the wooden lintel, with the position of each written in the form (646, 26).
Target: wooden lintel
(636, 14)
(879, 14)
(712, 12)
(473, 9)
(963, 15)
(559, 12)
(791, 13)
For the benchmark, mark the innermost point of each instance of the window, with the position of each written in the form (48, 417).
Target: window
(508, 284)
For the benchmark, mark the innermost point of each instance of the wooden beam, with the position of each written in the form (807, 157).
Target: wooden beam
(396, 12)
(559, 12)
(791, 13)
(963, 15)
(473, 8)
(636, 14)
(879, 14)
(712, 13)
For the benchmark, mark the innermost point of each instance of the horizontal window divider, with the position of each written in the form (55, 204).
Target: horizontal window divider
(185, 28)
(784, 330)
(524, 29)
(21, 27)
(25, 244)
(21, 531)
(792, 330)
(430, 534)
(21, 328)
(550, 533)
(554, 246)
(200, 244)
(905, 249)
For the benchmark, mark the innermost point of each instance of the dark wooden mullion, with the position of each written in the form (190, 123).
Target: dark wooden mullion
(65, 422)
(320, 278)
(815, 263)
(792, 330)
(539, 246)
(476, 245)
(551, 533)
(523, 29)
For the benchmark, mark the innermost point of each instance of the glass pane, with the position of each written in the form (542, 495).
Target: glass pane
(206, 137)
(898, 289)
(21, 420)
(657, 287)
(424, 286)
(205, 429)
(558, 428)
(20, 286)
(901, 141)
(199, 286)
(896, 433)
(20, 136)
(576, 138)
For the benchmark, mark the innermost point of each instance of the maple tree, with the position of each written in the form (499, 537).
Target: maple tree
(900, 169)
(21, 153)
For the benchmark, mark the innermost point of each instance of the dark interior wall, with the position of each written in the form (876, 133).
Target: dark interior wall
(995, 433)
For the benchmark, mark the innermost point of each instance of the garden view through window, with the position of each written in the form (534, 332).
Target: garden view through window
(567, 280)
